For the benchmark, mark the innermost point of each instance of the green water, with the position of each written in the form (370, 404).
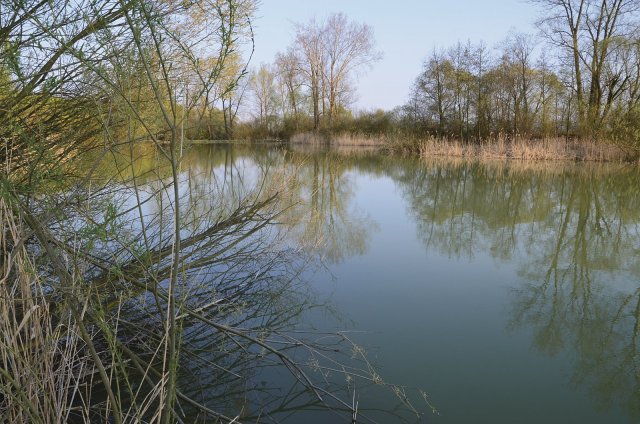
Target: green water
(510, 293)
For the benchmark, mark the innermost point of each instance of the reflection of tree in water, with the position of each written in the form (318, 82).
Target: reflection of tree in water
(324, 215)
(238, 287)
(318, 190)
(316, 194)
(316, 184)
(467, 207)
(573, 231)
(238, 290)
(575, 234)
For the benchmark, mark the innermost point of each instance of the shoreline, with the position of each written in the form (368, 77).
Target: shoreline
(520, 149)
(500, 147)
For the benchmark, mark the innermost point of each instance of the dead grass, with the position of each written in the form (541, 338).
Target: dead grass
(500, 147)
(42, 359)
(344, 140)
(49, 349)
(525, 149)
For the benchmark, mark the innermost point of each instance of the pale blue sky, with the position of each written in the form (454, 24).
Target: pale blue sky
(406, 32)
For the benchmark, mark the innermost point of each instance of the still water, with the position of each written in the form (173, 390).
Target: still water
(508, 292)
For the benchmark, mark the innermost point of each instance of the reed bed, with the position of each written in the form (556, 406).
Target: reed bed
(526, 149)
(499, 147)
(339, 140)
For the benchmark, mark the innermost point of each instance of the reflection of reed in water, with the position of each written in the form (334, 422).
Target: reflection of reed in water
(573, 231)
(504, 166)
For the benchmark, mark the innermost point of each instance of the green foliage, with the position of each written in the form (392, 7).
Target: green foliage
(206, 126)
(625, 130)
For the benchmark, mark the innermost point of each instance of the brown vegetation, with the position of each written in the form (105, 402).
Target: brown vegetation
(344, 139)
(526, 149)
(501, 147)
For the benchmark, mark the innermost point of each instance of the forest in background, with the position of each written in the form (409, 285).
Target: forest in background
(578, 78)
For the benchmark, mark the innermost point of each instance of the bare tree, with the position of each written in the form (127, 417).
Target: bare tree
(585, 30)
(431, 91)
(262, 85)
(517, 60)
(481, 61)
(311, 58)
(328, 55)
(350, 47)
(287, 74)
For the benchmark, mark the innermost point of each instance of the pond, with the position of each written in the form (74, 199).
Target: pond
(509, 292)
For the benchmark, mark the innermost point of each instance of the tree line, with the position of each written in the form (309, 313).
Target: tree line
(587, 85)
(578, 78)
(310, 85)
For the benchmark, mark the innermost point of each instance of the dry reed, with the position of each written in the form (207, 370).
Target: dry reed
(342, 139)
(42, 358)
(498, 147)
(525, 149)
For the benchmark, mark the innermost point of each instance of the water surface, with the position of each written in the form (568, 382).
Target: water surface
(508, 292)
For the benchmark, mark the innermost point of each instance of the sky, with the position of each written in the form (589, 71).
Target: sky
(406, 32)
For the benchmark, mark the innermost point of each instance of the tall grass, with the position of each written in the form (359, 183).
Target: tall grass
(497, 147)
(337, 140)
(525, 149)
(43, 361)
